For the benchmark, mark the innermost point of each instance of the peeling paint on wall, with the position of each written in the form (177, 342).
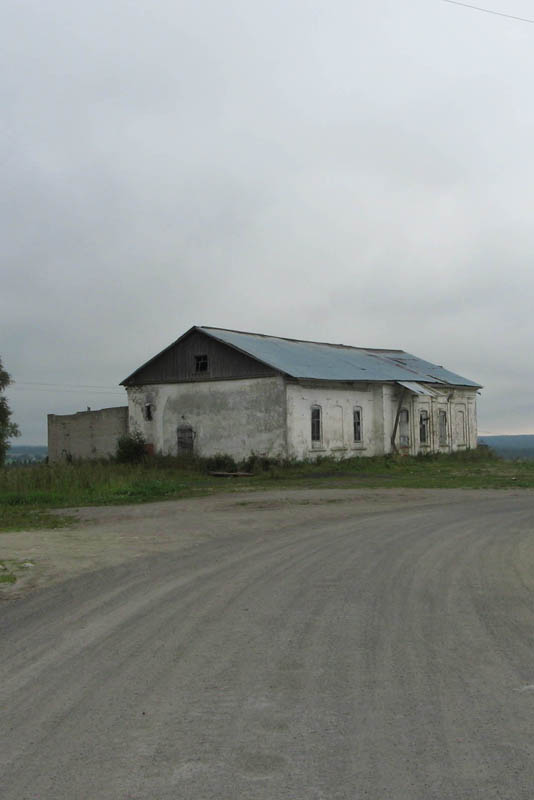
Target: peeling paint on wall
(273, 416)
(233, 417)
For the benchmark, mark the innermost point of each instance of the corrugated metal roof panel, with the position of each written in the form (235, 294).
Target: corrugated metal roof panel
(322, 361)
(416, 388)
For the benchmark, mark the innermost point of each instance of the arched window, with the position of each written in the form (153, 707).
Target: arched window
(358, 424)
(316, 425)
(424, 433)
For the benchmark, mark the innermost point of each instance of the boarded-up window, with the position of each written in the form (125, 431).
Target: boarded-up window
(460, 426)
(404, 428)
(316, 432)
(424, 433)
(186, 438)
(335, 425)
(357, 420)
(442, 427)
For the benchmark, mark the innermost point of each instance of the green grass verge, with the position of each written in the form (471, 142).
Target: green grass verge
(28, 517)
(28, 492)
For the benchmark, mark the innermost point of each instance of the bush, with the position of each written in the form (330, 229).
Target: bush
(131, 449)
(256, 463)
(483, 451)
(221, 462)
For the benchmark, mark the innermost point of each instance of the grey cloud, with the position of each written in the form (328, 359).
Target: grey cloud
(349, 172)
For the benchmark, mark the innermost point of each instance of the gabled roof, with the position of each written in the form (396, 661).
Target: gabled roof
(328, 362)
(336, 362)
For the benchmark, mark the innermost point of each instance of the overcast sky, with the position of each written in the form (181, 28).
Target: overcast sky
(345, 171)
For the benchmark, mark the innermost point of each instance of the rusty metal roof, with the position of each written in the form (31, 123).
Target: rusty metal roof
(336, 362)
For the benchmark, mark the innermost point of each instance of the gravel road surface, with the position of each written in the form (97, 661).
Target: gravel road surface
(308, 646)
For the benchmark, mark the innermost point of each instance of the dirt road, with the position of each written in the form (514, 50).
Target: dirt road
(307, 645)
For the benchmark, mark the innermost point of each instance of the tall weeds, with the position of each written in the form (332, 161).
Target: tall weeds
(102, 482)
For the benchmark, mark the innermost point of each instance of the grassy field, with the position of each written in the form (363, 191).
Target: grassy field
(29, 493)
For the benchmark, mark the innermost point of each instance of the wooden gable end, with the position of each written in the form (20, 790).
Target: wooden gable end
(198, 357)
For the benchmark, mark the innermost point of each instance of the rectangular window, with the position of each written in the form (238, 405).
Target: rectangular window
(404, 428)
(442, 420)
(186, 438)
(423, 428)
(358, 436)
(148, 412)
(316, 424)
(201, 363)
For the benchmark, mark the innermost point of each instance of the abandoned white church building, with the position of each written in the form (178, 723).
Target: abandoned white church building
(223, 391)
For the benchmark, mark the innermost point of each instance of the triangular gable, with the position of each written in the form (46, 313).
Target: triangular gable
(176, 363)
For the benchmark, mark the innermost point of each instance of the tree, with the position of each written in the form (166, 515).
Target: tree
(8, 429)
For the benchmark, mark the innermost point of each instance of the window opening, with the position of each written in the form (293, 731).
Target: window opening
(404, 428)
(148, 412)
(358, 424)
(460, 427)
(186, 438)
(442, 418)
(423, 427)
(336, 425)
(316, 424)
(201, 363)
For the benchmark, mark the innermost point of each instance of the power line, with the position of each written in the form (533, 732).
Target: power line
(58, 390)
(68, 385)
(489, 11)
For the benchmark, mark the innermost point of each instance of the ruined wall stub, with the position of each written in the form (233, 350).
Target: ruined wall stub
(86, 434)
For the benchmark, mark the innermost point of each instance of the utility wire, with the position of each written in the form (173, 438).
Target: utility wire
(489, 11)
(55, 390)
(67, 385)
(66, 388)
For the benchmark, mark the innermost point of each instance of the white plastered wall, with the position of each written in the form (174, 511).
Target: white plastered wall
(266, 416)
(379, 404)
(235, 417)
(461, 433)
(337, 406)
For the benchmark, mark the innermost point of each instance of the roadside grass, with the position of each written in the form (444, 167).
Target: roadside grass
(29, 517)
(28, 493)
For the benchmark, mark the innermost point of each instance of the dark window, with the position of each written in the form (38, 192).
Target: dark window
(201, 363)
(148, 411)
(186, 438)
(404, 428)
(316, 424)
(442, 416)
(423, 427)
(358, 424)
